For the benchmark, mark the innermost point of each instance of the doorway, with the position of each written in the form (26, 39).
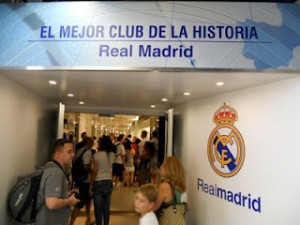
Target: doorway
(98, 124)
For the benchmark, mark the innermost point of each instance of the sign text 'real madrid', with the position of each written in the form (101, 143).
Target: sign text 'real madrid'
(153, 40)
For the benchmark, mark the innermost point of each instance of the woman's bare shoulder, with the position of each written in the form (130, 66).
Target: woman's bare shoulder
(165, 185)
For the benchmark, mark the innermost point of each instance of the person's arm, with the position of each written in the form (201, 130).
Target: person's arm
(137, 154)
(87, 167)
(162, 196)
(87, 158)
(123, 159)
(93, 176)
(132, 152)
(123, 154)
(53, 203)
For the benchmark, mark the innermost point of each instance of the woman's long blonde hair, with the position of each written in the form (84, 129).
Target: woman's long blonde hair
(175, 172)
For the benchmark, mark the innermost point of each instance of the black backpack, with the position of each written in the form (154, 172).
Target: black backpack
(115, 147)
(22, 197)
(79, 174)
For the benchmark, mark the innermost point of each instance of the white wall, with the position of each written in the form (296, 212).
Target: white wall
(28, 126)
(269, 123)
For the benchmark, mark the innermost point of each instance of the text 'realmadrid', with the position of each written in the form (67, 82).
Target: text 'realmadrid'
(237, 198)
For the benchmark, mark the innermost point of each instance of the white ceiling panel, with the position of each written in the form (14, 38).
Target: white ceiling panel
(133, 92)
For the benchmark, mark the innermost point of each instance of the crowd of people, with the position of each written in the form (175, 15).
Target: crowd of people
(108, 164)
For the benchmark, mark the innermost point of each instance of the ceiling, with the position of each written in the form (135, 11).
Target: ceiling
(133, 92)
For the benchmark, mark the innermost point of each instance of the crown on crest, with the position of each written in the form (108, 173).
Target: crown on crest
(225, 114)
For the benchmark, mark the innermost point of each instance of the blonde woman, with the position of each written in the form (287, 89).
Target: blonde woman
(173, 184)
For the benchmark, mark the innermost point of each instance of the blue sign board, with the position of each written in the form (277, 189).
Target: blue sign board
(111, 35)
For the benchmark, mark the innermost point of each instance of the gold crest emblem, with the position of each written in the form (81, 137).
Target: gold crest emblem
(226, 149)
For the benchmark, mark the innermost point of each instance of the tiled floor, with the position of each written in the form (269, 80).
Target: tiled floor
(122, 208)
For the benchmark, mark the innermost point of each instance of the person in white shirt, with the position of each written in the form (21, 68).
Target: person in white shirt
(101, 185)
(144, 202)
(142, 143)
(119, 163)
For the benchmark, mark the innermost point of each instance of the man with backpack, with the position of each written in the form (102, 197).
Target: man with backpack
(81, 173)
(119, 163)
(53, 197)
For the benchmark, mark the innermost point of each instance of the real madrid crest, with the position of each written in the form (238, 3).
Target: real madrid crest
(226, 149)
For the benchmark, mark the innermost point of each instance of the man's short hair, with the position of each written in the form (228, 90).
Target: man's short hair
(120, 137)
(59, 144)
(83, 135)
(144, 134)
(154, 133)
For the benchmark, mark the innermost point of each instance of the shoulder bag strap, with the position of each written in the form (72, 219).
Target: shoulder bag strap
(173, 191)
(57, 163)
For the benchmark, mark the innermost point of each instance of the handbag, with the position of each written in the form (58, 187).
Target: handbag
(173, 214)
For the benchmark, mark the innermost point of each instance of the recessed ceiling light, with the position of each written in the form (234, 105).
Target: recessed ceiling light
(70, 95)
(186, 93)
(220, 83)
(152, 106)
(81, 103)
(52, 82)
(164, 99)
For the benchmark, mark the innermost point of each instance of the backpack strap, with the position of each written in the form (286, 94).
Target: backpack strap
(81, 154)
(57, 163)
(38, 207)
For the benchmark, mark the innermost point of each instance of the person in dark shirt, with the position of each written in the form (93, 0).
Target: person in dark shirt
(79, 145)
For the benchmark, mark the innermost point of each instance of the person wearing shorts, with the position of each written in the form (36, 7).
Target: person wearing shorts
(129, 163)
(83, 187)
(118, 166)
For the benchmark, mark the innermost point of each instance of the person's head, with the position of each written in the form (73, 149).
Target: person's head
(89, 142)
(154, 134)
(71, 137)
(145, 199)
(144, 134)
(172, 170)
(105, 144)
(120, 138)
(63, 152)
(137, 141)
(127, 144)
(83, 135)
